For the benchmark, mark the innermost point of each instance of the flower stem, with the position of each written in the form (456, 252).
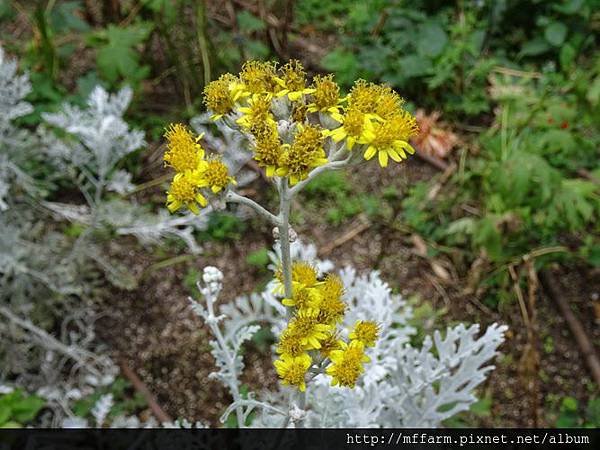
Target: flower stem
(284, 236)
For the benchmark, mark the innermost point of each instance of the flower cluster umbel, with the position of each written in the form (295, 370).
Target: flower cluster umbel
(293, 126)
(311, 338)
(194, 173)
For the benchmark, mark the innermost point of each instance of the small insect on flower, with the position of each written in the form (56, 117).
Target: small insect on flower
(293, 81)
(184, 152)
(326, 95)
(214, 175)
(347, 364)
(292, 370)
(184, 191)
(366, 332)
(331, 308)
(221, 95)
(305, 153)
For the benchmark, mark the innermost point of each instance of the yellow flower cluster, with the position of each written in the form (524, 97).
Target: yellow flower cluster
(193, 171)
(371, 117)
(311, 337)
(374, 117)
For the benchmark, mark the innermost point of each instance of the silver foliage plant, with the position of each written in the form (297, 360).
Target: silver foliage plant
(403, 386)
(40, 284)
(101, 139)
(40, 268)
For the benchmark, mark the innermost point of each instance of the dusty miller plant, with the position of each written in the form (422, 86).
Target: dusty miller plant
(342, 354)
(48, 340)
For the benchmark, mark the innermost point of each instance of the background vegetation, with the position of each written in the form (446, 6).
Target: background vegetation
(499, 217)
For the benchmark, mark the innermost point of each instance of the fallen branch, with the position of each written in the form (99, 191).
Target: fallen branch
(432, 160)
(141, 387)
(585, 345)
(80, 355)
(351, 234)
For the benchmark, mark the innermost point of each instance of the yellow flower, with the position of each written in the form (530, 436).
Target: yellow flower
(363, 96)
(326, 95)
(299, 111)
(257, 115)
(304, 298)
(267, 149)
(304, 273)
(366, 332)
(184, 192)
(293, 81)
(330, 343)
(376, 99)
(356, 126)
(290, 345)
(331, 308)
(305, 153)
(292, 370)
(390, 138)
(215, 175)
(347, 364)
(183, 150)
(221, 95)
(306, 325)
(388, 103)
(258, 77)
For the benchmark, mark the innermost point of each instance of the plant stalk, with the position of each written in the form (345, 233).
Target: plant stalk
(284, 236)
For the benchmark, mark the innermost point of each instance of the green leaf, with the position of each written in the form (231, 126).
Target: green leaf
(117, 55)
(163, 7)
(27, 408)
(555, 33)
(5, 412)
(567, 55)
(65, 16)
(593, 93)
(432, 40)
(6, 10)
(534, 47)
(343, 63)
(464, 225)
(482, 407)
(414, 66)
(568, 7)
(249, 23)
(488, 236)
(592, 413)
(568, 416)
(256, 49)
(593, 258)
(259, 258)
